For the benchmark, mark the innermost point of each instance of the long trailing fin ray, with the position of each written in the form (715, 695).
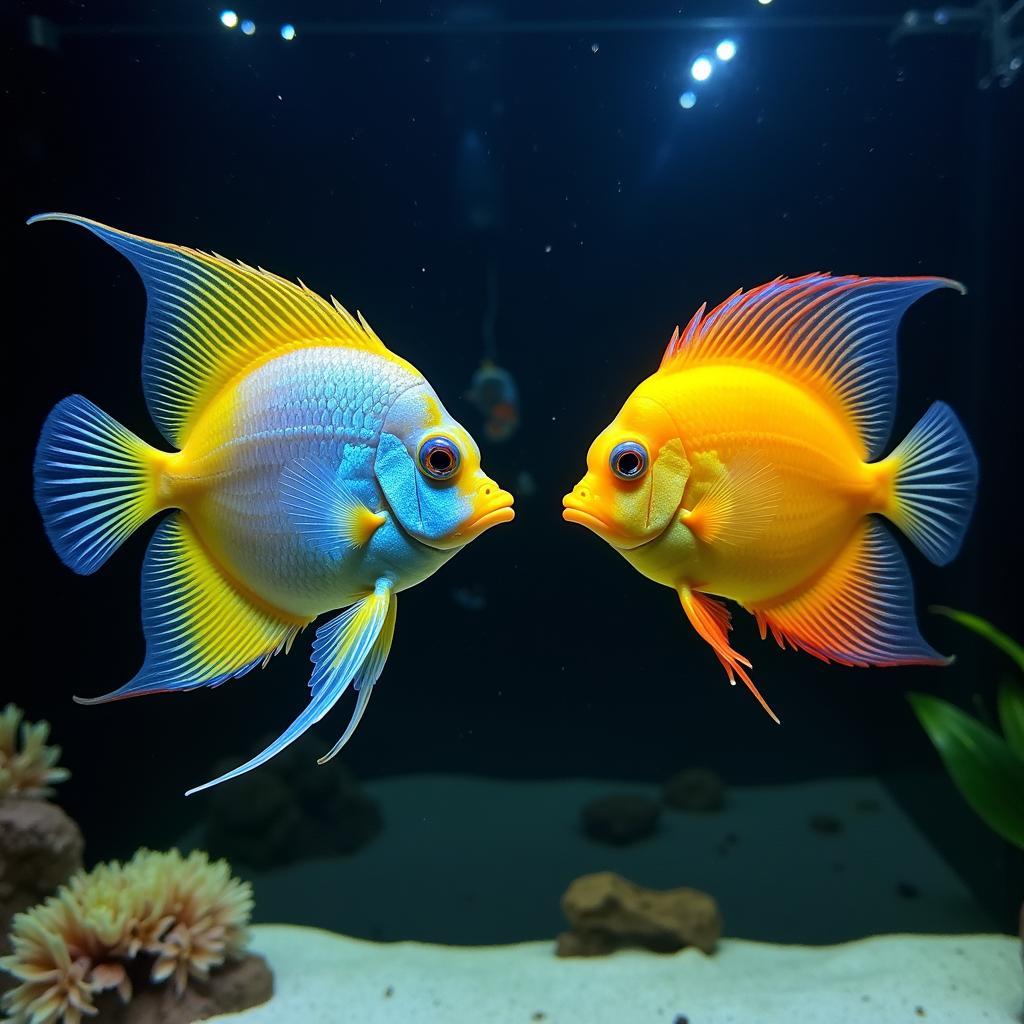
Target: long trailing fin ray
(208, 319)
(341, 647)
(859, 612)
(712, 621)
(833, 335)
(200, 629)
(95, 483)
(935, 484)
(367, 676)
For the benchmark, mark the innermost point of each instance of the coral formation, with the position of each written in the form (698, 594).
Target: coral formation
(236, 986)
(160, 917)
(31, 771)
(40, 846)
(607, 912)
(40, 849)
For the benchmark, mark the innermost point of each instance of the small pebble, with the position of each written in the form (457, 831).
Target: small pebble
(825, 824)
(696, 790)
(730, 840)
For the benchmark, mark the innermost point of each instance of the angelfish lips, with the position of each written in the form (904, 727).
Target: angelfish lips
(497, 509)
(583, 509)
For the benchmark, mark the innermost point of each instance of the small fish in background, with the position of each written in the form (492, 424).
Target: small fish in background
(495, 396)
(314, 470)
(526, 486)
(751, 467)
(471, 598)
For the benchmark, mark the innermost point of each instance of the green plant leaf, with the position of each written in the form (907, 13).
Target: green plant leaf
(984, 628)
(988, 773)
(1010, 701)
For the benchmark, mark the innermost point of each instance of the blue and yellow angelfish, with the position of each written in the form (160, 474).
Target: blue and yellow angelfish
(313, 470)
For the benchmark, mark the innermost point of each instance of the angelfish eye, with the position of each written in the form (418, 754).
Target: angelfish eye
(439, 458)
(628, 460)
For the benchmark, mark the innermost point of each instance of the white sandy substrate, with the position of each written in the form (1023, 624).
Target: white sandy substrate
(323, 978)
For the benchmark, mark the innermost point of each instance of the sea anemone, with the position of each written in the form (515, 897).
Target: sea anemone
(31, 771)
(160, 916)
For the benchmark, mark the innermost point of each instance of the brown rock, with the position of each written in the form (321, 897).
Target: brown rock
(293, 811)
(235, 986)
(825, 824)
(251, 804)
(607, 912)
(695, 789)
(40, 848)
(621, 818)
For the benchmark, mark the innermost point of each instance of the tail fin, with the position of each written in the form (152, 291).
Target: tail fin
(95, 483)
(935, 484)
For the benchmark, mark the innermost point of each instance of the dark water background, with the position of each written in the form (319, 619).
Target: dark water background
(342, 157)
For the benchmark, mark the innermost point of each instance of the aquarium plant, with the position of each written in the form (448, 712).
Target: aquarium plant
(160, 917)
(987, 768)
(27, 768)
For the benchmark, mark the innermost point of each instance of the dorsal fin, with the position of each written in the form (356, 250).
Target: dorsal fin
(834, 335)
(208, 319)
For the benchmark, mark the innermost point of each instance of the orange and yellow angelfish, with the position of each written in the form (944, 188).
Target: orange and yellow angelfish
(751, 467)
(313, 469)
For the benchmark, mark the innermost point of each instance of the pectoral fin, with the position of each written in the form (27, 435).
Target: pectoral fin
(341, 648)
(739, 505)
(712, 621)
(323, 510)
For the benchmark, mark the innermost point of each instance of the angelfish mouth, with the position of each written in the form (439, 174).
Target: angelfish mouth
(499, 512)
(505, 514)
(572, 513)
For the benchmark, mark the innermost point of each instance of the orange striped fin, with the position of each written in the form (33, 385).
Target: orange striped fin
(860, 612)
(835, 336)
(713, 622)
